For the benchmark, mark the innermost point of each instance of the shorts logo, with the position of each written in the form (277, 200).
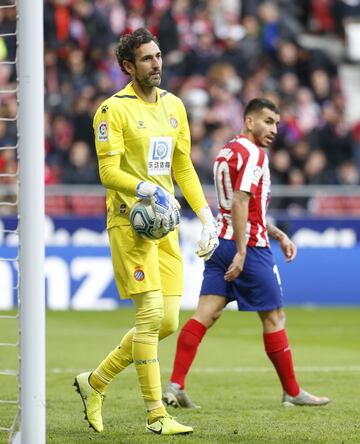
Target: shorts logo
(139, 275)
(173, 122)
(103, 132)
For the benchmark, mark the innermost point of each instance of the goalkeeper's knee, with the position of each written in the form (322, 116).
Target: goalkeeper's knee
(168, 327)
(170, 323)
(149, 315)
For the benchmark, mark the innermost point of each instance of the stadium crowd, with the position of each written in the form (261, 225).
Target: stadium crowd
(218, 55)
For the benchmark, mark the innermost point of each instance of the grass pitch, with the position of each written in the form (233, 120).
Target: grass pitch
(231, 379)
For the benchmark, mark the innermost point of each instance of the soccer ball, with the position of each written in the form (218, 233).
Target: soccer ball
(142, 218)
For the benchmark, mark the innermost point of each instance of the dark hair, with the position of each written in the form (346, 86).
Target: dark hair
(125, 50)
(258, 104)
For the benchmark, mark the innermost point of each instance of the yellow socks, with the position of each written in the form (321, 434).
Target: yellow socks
(149, 314)
(148, 370)
(155, 414)
(114, 363)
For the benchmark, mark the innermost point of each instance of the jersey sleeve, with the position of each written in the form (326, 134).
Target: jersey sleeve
(113, 178)
(249, 172)
(183, 143)
(109, 142)
(108, 130)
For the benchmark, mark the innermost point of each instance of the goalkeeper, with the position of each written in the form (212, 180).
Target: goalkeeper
(142, 138)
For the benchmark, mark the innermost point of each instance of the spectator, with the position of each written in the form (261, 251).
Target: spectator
(316, 168)
(202, 55)
(333, 137)
(299, 154)
(280, 164)
(296, 204)
(176, 38)
(321, 85)
(226, 108)
(347, 174)
(60, 141)
(288, 87)
(276, 26)
(307, 110)
(221, 55)
(82, 122)
(80, 168)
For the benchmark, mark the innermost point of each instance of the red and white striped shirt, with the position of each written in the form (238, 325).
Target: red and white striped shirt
(243, 166)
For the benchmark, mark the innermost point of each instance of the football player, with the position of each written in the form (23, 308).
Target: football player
(142, 137)
(242, 269)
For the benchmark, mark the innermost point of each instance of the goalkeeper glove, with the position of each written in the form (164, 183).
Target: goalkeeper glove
(209, 240)
(172, 217)
(165, 206)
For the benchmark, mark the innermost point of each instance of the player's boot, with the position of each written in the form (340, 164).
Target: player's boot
(92, 401)
(175, 397)
(303, 398)
(166, 425)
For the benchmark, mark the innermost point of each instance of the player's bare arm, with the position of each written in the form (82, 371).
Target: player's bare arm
(287, 245)
(240, 211)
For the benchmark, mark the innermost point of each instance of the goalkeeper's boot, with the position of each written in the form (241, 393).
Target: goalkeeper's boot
(166, 425)
(176, 397)
(92, 401)
(303, 398)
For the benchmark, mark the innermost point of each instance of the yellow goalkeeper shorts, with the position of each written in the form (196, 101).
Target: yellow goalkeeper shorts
(142, 265)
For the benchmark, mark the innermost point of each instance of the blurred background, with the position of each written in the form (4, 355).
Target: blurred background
(218, 54)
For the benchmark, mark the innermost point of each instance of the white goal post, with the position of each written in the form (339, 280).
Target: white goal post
(31, 221)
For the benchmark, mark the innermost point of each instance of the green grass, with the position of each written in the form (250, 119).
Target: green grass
(232, 380)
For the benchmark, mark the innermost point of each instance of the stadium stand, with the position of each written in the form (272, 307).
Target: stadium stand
(218, 54)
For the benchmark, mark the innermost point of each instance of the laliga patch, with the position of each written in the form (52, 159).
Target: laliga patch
(257, 174)
(103, 132)
(139, 275)
(160, 156)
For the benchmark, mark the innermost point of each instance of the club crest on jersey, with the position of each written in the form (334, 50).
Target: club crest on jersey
(141, 124)
(257, 173)
(139, 275)
(173, 122)
(103, 132)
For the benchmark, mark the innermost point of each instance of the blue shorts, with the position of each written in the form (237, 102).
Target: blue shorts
(257, 288)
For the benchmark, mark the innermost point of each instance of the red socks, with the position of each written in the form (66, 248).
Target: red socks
(276, 347)
(278, 350)
(187, 344)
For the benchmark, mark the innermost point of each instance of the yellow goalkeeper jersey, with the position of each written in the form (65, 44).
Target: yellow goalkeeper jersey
(137, 140)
